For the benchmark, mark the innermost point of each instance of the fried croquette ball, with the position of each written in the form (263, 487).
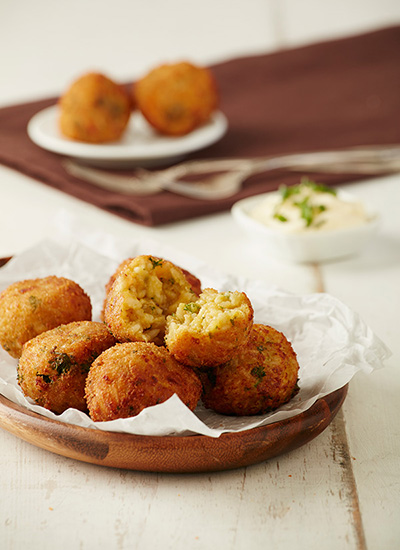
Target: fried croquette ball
(94, 109)
(194, 282)
(143, 294)
(260, 378)
(53, 366)
(191, 279)
(32, 306)
(208, 331)
(175, 99)
(129, 377)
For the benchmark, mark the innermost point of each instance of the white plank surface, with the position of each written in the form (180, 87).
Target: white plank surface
(281, 503)
(370, 285)
(342, 490)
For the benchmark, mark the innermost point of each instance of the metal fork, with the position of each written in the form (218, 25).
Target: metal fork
(224, 177)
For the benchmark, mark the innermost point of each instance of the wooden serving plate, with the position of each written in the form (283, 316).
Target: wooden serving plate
(188, 454)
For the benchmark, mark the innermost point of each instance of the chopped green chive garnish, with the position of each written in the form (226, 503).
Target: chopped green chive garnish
(308, 211)
(280, 217)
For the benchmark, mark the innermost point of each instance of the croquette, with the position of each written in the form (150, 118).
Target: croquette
(260, 378)
(176, 98)
(209, 330)
(94, 109)
(194, 282)
(53, 367)
(144, 292)
(32, 306)
(129, 377)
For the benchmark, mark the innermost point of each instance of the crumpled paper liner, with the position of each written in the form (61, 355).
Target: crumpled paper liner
(331, 341)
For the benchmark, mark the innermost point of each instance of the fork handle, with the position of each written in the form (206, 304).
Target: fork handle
(380, 159)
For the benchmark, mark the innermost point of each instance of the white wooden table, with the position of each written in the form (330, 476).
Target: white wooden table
(342, 490)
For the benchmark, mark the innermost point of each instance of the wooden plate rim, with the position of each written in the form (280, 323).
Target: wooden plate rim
(178, 454)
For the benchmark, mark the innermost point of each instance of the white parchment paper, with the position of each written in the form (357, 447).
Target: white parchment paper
(331, 341)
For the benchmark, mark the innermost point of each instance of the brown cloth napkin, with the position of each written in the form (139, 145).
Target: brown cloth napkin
(324, 96)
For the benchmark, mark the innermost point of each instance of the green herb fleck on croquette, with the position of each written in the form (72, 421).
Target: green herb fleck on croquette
(34, 302)
(62, 363)
(259, 373)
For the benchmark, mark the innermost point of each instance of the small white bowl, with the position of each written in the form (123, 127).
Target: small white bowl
(313, 246)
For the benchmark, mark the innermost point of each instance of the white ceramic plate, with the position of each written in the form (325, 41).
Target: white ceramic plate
(304, 247)
(140, 145)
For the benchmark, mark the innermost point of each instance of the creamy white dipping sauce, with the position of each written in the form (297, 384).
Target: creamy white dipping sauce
(308, 207)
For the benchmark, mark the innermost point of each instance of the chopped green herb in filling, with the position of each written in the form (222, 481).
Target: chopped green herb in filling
(192, 307)
(155, 262)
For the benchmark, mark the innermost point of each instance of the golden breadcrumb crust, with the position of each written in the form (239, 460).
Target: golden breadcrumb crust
(260, 378)
(94, 109)
(32, 306)
(129, 377)
(53, 366)
(177, 98)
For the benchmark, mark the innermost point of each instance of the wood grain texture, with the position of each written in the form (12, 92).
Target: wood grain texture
(171, 453)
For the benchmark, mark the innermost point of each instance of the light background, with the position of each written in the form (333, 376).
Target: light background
(45, 44)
